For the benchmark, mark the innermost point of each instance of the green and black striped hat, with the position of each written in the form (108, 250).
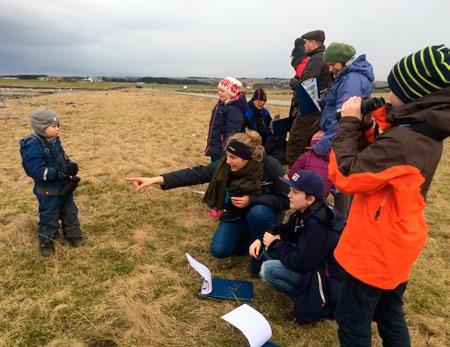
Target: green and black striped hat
(421, 73)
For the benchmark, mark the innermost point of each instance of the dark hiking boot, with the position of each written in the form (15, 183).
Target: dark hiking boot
(79, 241)
(47, 249)
(292, 317)
(254, 275)
(255, 266)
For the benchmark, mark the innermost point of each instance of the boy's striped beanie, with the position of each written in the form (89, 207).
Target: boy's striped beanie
(421, 73)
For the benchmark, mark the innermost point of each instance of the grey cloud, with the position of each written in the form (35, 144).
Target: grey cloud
(209, 38)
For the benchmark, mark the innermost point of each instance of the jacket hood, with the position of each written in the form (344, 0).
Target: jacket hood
(362, 66)
(30, 139)
(298, 53)
(239, 101)
(328, 215)
(432, 109)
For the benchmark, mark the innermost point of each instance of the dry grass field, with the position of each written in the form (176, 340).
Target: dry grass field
(130, 284)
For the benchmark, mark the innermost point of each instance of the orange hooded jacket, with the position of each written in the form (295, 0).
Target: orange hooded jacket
(386, 228)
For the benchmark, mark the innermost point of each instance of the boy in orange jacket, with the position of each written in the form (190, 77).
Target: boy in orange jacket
(386, 228)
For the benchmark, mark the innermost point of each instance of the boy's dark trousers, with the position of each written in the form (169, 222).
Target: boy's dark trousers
(360, 304)
(52, 209)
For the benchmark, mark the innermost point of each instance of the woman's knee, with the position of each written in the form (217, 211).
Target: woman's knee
(260, 218)
(267, 272)
(258, 212)
(227, 239)
(220, 250)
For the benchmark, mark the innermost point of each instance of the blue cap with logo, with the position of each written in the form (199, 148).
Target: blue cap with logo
(306, 181)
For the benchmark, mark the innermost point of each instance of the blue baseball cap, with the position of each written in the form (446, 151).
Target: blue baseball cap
(306, 181)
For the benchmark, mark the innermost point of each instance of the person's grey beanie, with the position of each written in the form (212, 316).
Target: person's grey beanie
(42, 118)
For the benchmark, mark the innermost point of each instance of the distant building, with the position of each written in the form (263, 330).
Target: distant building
(55, 78)
(263, 86)
(249, 84)
(93, 79)
(73, 79)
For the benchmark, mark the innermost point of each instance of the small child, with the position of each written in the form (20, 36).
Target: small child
(310, 160)
(55, 179)
(298, 255)
(227, 117)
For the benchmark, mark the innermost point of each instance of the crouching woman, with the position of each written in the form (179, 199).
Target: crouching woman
(298, 255)
(243, 192)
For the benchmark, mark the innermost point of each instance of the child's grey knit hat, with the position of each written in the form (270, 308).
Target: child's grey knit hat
(42, 118)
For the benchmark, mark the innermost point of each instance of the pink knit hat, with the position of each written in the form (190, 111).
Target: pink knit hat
(317, 137)
(230, 85)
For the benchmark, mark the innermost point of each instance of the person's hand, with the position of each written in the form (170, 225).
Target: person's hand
(269, 238)
(255, 248)
(352, 108)
(240, 201)
(142, 182)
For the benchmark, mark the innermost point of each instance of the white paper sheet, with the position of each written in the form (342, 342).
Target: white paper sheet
(253, 325)
(312, 89)
(204, 272)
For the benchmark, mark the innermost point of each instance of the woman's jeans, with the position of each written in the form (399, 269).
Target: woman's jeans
(274, 273)
(235, 237)
(360, 304)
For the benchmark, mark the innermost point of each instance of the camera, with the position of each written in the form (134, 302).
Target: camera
(367, 105)
(71, 167)
(70, 186)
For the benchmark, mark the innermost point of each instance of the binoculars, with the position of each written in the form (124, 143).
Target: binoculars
(367, 105)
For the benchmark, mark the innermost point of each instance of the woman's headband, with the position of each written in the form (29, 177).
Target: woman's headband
(239, 149)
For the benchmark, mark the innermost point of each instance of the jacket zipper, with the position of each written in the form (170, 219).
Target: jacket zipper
(378, 211)
(322, 296)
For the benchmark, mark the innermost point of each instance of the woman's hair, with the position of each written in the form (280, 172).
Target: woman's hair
(253, 140)
(259, 94)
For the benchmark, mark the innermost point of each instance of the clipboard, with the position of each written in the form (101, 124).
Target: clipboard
(230, 290)
(220, 288)
(307, 94)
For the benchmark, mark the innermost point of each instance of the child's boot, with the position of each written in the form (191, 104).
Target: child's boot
(47, 249)
(76, 242)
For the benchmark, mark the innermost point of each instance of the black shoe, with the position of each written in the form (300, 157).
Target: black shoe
(292, 317)
(254, 275)
(47, 249)
(79, 241)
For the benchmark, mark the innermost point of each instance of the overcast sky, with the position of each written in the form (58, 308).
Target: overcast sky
(215, 38)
